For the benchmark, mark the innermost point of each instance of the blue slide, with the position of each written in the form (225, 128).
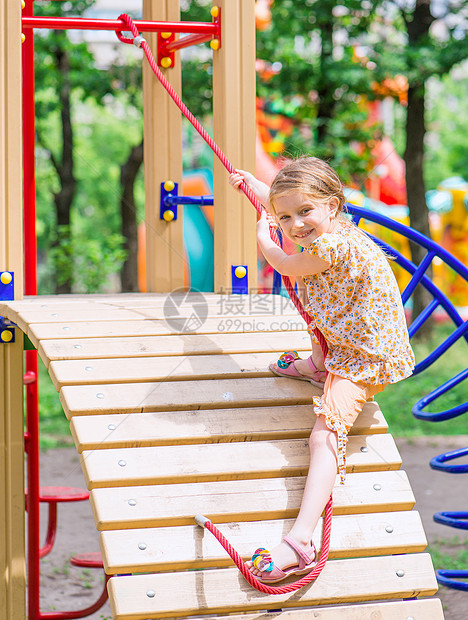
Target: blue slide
(199, 242)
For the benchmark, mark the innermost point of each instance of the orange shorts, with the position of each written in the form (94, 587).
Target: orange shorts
(341, 403)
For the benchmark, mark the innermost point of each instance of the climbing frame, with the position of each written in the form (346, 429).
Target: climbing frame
(171, 423)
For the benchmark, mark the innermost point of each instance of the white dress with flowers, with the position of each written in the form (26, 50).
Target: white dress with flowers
(357, 306)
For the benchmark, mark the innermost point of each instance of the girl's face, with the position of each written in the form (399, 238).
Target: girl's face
(303, 220)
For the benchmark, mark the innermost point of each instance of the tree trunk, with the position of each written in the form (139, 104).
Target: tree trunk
(128, 173)
(64, 198)
(417, 28)
(326, 102)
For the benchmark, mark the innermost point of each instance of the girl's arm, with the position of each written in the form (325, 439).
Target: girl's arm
(261, 190)
(287, 265)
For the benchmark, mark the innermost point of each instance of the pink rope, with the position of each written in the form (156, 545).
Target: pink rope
(292, 587)
(128, 22)
(253, 581)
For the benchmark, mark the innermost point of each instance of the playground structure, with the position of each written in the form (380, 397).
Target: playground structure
(150, 462)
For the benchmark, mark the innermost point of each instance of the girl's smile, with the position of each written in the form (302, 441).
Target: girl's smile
(302, 220)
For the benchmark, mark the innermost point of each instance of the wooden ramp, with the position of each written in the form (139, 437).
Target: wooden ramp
(171, 423)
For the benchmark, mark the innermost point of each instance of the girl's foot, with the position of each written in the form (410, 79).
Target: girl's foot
(289, 558)
(291, 365)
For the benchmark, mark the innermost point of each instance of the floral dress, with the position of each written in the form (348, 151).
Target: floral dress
(357, 306)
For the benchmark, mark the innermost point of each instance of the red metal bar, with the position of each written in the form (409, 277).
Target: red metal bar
(79, 23)
(30, 287)
(32, 424)
(192, 39)
(51, 530)
(29, 179)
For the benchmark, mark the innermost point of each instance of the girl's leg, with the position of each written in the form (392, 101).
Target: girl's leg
(344, 399)
(302, 365)
(319, 484)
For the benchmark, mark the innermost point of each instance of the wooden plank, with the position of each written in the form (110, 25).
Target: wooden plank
(163, 326)
(168, 395)
(233, 131)
(12, 530)
(231, 461)
(210, 426)
(26, 317)
(162, 135)
(423, 609)
(153, 346)
(224, 590)
(189, 547)
(168, 368)
(225, 303)
(242, 500)
(12, 550)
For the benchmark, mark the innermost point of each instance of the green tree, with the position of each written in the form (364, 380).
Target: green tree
(447, 147)
(320, 82)
(420, 40)
(62, 69)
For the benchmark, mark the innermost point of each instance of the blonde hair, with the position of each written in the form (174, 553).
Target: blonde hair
(310, 176)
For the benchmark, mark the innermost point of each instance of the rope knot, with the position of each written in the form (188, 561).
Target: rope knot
(128, 22)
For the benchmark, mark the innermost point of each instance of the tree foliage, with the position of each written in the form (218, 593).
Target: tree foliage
(427, 40)
(69, 91)
(316, 75)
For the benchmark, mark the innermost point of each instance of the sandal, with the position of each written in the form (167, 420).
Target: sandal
(262, 561)
(285, 367)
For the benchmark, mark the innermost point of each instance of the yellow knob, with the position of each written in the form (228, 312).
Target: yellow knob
(214, 11)
(6, 336)
(168, 215)
(23, 37)
(214, 44)
(166, 35)
(6, 277)
(23, 4)
(240, 272)
(169, 186)
(166, 62)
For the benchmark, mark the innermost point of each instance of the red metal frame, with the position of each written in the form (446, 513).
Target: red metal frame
(198, 32)
(82, 23)
(30, 288)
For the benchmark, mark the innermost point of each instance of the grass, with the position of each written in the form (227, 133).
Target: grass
(449, 553)
(396, 401)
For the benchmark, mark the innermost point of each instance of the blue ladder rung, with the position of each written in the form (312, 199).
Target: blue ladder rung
(452, 519)
(450, 578)
(440, 462)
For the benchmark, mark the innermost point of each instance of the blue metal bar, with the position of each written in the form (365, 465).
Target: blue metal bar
(277, 279)
(440, 462)
(418, 274)
(449, 578)
(452, 519)
(422, 318)
(171, 200)
(448, 414)
(412, 234)
(428, 285)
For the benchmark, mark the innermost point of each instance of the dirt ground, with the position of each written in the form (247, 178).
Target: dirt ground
(68, 587)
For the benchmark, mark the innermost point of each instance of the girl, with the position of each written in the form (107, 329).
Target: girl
(353, 299)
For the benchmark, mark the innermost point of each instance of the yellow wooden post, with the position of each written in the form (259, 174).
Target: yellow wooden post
(163, 161)
(234, 131)
(12, 544)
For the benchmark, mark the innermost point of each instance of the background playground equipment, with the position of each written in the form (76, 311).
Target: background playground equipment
(119, 337)
(198, 226)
